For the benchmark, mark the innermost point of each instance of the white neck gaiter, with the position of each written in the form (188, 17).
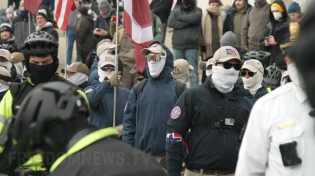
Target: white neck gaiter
(296, 76)
(3, 87)
(7, 65)
(155, 68)
(224, 79)
(182, 77)
(102, 74)
(209, 72)
(78, 78)
(253, 83)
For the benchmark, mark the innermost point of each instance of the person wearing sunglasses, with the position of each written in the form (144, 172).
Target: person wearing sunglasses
(252, 75)
(215, 112)
(101, 93)
(150, 103)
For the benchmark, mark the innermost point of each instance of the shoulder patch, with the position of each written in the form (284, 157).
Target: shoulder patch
(89, 90)
(175, 112)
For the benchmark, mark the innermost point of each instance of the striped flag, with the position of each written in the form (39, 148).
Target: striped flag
(137, 22)
(173, 5)
(63, 8)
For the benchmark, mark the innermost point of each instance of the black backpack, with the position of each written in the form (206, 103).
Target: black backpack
(179, 88)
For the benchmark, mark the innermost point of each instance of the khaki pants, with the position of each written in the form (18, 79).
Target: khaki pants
(252, 47)
(191, 173)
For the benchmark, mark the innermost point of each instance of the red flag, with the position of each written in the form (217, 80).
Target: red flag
(137, 22)
(63, 8)
(32, 6)
(76, 4)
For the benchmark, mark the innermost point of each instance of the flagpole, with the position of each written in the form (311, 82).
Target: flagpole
(66, 55)
(29, 23)
(116, 63)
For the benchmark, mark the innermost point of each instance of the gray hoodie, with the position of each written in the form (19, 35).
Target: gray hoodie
(73, 20)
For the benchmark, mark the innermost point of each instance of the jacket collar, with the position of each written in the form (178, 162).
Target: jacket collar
(299, 93)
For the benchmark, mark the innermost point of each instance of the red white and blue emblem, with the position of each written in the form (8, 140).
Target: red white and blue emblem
(231, 52)
(250, 62)
(174, 138)
(175, 112)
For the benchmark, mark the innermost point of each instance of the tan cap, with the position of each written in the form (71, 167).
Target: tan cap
(155, 48)
(182, 65)
(253, 65)
(210, 62)
(226, 53)
(284, 74)
(17, 57)
(5, 76)
(77, 67)
(6, 54)
(106, 60)
(105, 46)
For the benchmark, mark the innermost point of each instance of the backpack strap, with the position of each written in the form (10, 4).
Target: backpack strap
(179, 88)
(140, 87)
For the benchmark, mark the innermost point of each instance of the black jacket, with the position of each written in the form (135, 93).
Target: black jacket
(51, 31)
(187, 27)
(20, 26)
(209, 149)
(228, 24)
(84, 36)
(162, 8)
(109, 156)
(280, 31)
(104, 23)
(260, 92)
(9, 45)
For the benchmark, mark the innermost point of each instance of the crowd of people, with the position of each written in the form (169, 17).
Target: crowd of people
(230, 123)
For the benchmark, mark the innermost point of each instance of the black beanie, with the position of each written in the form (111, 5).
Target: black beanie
(6, 27)
(83, 10)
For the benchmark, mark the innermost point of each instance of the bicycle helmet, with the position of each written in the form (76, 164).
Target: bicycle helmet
(273, 76)
(46, 104)
(40, 43)
(261, 56)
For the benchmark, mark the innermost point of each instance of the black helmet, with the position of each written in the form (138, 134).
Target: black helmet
(262, 56)
(273, 76)
(40, 43)
(46, 104)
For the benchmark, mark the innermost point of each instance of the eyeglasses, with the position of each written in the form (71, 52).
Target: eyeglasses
(251, 74)
(105, 68)
(153, 57)
(112, 52)
(227, 65)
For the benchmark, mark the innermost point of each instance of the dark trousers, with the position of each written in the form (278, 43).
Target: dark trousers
(16, 3)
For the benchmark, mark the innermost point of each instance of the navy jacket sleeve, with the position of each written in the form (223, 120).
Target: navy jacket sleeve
(178, 127)
(96, 93)
(94, 65)
(129, 122)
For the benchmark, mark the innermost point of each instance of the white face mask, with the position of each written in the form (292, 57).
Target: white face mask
(155, 68)
(277, 15)
(224, 79)
(182, 77)
(103, 74)
(209, 72)
(296, 76)
(7, 65)
(282, 83)
(78, 78)
(253, 83)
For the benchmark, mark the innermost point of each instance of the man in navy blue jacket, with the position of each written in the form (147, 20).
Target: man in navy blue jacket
(146, 114)
(101, 93)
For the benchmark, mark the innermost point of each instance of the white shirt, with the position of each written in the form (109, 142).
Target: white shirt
(279, 117)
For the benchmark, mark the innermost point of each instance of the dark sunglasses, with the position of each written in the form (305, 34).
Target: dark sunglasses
(251, 74)
(105, 68)
(113, 52)
(227, 65)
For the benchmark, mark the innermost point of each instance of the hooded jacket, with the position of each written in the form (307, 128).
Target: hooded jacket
(101, 99)
(104, 23)
(280, 31)
(229, 20)
(162, 8)
(9, 44)
(187, 27)
(20, 27)
(145, 118)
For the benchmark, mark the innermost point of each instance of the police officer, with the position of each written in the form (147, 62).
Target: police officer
(53, 122)
(279, 138)
(40, 51)
(207, 121)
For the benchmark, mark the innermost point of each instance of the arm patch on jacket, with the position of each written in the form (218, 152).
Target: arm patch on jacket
(175, 112)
